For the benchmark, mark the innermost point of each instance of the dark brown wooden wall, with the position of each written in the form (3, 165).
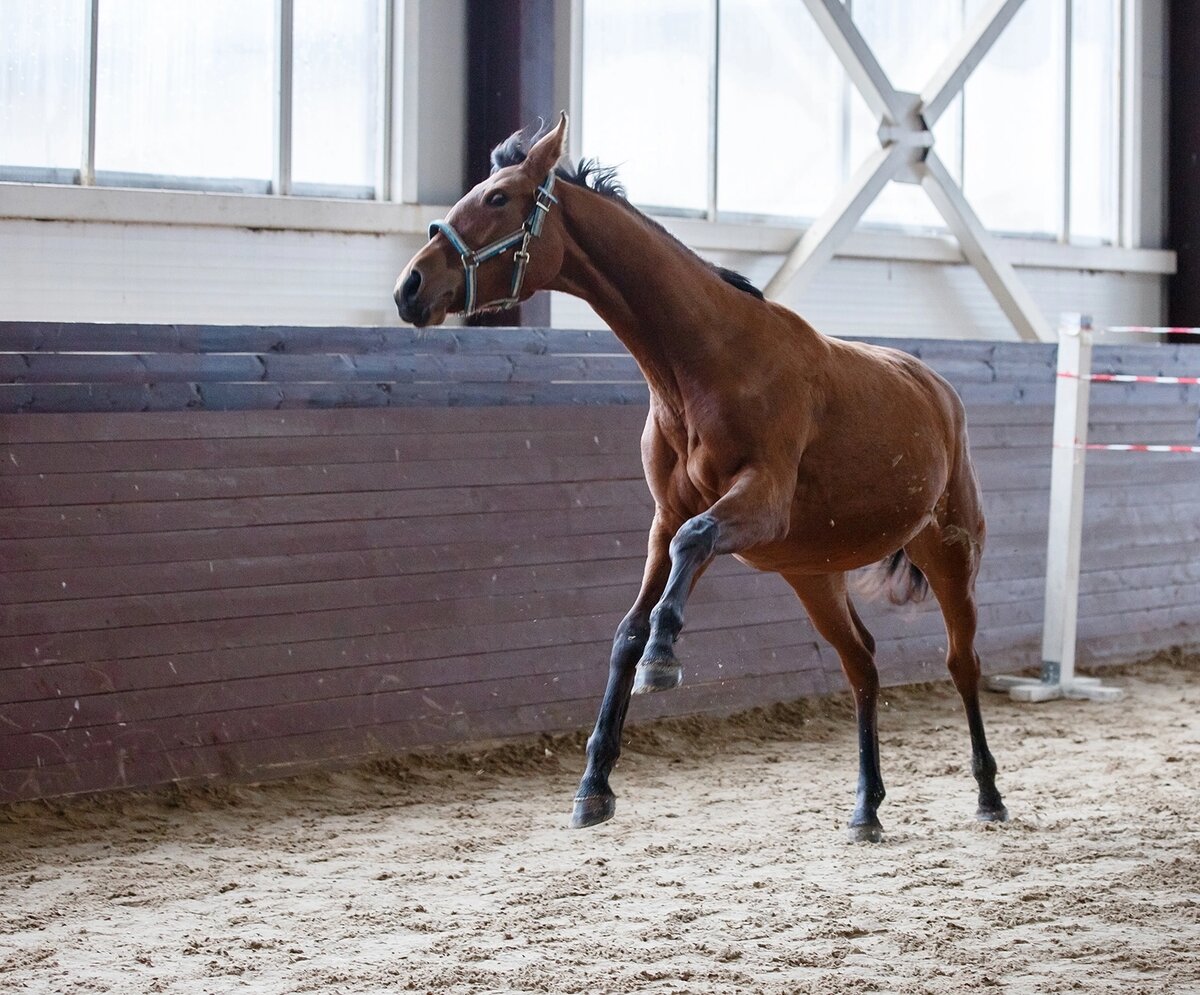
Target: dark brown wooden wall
(196, 594)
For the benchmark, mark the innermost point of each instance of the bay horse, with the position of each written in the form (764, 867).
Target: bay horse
(798, 453)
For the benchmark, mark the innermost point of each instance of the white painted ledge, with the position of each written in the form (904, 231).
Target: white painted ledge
(777, 239)
(116, 205)
(46, 202)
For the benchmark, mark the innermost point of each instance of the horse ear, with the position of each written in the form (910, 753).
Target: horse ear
(548, 149)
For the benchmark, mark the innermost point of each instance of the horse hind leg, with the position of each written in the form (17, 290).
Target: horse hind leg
(947, 552)
(833, 615)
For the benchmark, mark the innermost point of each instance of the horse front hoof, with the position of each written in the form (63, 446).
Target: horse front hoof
(996, 813)
(868, 832)
(657, 675)
(593, 810)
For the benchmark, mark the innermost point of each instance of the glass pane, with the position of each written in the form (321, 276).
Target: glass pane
(335, 92)
(1095, 65)
(910, 41)
(185, 88)
(646, 96)
(780, 111)
(1014, 124)
(42, 87)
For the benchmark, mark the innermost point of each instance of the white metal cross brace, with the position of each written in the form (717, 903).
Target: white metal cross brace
(906, 154)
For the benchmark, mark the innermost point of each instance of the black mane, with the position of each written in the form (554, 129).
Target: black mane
(591, 175)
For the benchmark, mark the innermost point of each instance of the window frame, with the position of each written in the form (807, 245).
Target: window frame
(386, 183)
(1124, 225)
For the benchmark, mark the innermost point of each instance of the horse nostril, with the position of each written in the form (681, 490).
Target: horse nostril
(409, 290)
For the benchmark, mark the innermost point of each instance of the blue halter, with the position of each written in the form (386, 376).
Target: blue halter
(471, 258)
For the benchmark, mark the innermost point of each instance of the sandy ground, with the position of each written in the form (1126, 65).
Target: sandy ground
(725, 870)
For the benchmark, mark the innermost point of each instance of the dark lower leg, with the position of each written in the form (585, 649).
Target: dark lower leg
(835, 618)
(691, 551)
(595, 802)
(950, 568)
(864, 823)
(983, 765)
(870, 779)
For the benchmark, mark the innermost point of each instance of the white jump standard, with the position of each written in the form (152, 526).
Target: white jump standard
(1064, 540)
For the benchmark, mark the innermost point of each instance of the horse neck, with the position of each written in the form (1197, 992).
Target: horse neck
(674, 314)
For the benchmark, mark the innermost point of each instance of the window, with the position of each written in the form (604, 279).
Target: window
(1013, 148)
(336, 93)
(750, 113)
(255, 96)
(184, 89)
(648, 98)
(42, 84)
(1095, 113)
(780, 85)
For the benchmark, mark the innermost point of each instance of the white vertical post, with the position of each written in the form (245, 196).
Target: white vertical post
(408, 137)
(281, 180)
(1064, 222)
(385, 107)
(87, 167)
(1067, 466)
(714, 120)
(1064, 540)
(1131, 139)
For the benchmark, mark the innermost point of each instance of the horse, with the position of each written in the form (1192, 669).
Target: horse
(797, 453)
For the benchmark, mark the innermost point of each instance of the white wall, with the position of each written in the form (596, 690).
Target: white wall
(71, 271)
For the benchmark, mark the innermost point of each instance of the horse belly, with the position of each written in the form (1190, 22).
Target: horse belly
(858, 512)
(830, 545)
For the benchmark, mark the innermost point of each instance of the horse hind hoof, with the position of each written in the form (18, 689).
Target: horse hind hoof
(996, 814)
(657, 675)
(593, 810)
(868, 833)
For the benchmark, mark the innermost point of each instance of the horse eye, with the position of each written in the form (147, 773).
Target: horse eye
(497, 199)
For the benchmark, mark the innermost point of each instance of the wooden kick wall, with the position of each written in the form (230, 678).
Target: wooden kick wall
(235, 553)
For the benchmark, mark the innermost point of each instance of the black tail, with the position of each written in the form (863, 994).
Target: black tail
(897, 578)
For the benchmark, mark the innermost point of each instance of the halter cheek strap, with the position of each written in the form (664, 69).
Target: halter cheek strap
(471, 258)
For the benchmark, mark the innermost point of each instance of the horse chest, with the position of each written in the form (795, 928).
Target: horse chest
(686, 476)
(700, 478)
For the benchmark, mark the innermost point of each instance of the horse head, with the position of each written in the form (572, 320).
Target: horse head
(497, 245)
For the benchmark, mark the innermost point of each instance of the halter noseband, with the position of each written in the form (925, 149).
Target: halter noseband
(471, 258)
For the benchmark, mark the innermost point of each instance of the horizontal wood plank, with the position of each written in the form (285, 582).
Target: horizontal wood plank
(197, 594)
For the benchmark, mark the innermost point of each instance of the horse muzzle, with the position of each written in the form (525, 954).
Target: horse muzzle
(414, 302)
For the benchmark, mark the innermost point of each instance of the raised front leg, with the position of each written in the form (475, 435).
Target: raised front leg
(595, 801)
(691, 551)
(753, 512)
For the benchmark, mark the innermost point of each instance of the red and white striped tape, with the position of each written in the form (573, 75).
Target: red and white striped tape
(1129, 378)
(1125, 447)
